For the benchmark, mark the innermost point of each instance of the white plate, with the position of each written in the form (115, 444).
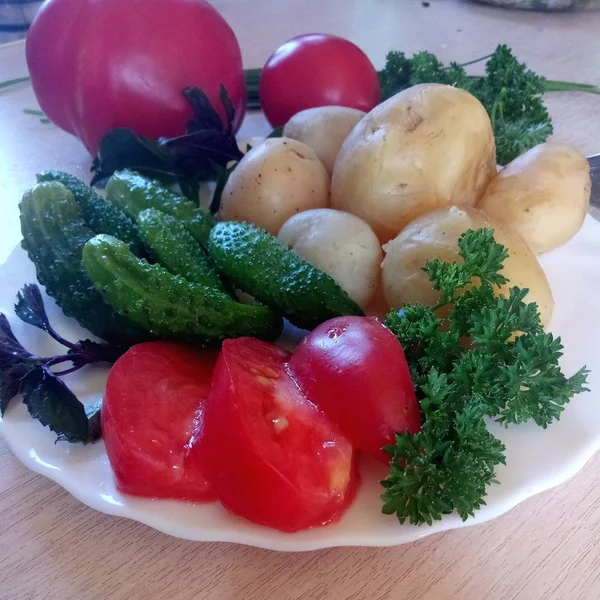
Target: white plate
(536, 459)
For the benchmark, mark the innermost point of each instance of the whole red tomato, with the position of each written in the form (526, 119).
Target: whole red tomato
(100, 64)
(354, 369)
(270, 455)
(154, 397)
(317, 70)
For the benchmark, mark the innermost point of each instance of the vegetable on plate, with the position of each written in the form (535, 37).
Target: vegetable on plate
(172, 246)
(354, 369)
(54, 234)
(270, 454)
(136, 64)
(257, 263)
(428, 147)
(133, 193)
(313, 70)
(435, 236)
(323, 129)
(449, 464)
(543, 195)
(167, 306)
(340, 245)
(153, 405)
(275, 180)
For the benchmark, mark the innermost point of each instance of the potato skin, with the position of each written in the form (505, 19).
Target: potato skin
(339, 244)
(427, 147)
(435, 235)
(543, 195)
(324, 129)
(275, 180)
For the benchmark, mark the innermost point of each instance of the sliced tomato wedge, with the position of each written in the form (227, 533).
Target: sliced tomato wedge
(154, 400)
(355, 370)
(271, 455)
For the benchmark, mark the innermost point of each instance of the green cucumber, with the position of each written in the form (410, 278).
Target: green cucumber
(100, 215)
(54, 234)
(167, 305)
(133, 193)
(172, 246)
(255, 261)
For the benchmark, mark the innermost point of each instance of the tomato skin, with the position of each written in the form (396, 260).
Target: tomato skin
(100, 64)
(155, 395)
(313, 70)
(354, 369)
(271, 456)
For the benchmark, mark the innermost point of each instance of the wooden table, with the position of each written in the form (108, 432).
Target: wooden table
(52, 547)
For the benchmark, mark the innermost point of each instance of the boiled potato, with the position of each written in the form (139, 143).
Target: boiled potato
(275, 180)
(324, 129)
(339, 244)
(427, 147)
(435, 235)
(543, 195)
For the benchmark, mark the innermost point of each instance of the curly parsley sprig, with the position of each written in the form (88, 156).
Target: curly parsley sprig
(468, 366)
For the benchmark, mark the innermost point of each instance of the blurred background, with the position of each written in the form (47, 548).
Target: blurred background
(16, 15)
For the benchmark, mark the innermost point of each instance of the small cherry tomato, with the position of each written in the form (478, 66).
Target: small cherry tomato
(270, 454)
(317, 70)
(354, 369)
(154, 396)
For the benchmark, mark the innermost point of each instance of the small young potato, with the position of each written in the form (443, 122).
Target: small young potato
(543, 195)
(275, 180)
(435, 235)
(427, 147)
(324, 129)
(339, 244)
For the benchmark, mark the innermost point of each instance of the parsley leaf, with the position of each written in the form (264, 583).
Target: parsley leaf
(489, 357)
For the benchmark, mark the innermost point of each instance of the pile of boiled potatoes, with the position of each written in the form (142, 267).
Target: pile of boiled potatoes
(369, 198)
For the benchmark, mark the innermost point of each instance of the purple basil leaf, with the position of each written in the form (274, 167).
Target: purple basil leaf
(10, 348)
(87, 351)
(228, 107)
(10, 382)
(54, 405)
(205, 116)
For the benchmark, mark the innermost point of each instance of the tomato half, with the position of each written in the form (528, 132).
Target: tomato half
(155, 394)
(271, 455)
(317, 70)
(354, 369)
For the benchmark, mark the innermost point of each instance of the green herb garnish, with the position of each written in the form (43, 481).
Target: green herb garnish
(466, 367)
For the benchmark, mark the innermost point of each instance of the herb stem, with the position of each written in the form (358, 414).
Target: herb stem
(67, 371)
(56, 360)
(476, 60)
(10, 82)
(567, 86)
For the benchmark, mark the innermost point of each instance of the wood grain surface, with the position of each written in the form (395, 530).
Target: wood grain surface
(54, 548)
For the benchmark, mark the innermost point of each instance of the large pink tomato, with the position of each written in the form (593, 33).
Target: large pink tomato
(100, 64)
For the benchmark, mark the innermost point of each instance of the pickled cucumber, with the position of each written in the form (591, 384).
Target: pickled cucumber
(100, 215)
(167, 305)
(54, 234)
(254, 261)
(172, 246)
(133, 193)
